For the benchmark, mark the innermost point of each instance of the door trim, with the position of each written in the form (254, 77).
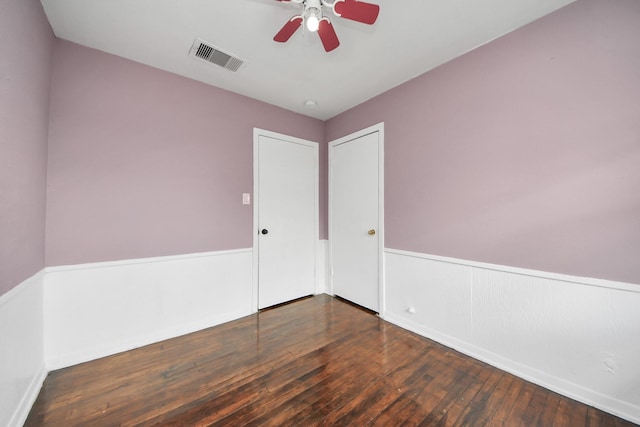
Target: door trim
(257, 133)
(379, 128)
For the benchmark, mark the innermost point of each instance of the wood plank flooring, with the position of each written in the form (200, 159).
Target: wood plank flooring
(316, 361)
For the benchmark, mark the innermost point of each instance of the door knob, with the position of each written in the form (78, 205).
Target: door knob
(265, 231)
(371, 232)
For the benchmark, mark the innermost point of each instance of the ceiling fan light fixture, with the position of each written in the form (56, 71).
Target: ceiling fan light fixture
(313, 19)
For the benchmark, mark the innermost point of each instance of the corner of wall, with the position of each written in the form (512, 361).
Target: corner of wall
(22, 367)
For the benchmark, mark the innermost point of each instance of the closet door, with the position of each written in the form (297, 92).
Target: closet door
(355, 218)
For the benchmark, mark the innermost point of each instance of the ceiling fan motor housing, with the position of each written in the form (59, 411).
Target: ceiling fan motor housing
(317, 4)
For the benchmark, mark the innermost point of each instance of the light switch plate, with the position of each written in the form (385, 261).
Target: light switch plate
(246, 198)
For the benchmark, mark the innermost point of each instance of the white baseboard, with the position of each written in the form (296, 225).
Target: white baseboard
(575, 336)
(28, 399)
(128, 304)
(22, 365)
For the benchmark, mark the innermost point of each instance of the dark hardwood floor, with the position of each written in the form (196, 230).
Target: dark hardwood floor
(317, 361)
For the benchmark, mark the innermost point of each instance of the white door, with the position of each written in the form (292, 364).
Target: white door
(355, 217)
(286, 230)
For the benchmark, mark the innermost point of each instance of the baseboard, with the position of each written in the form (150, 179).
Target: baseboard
(28, 399)
(22, 370)
(575, 336)
(129, 304)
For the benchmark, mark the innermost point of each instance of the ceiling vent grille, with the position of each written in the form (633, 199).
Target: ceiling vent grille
(207, 52)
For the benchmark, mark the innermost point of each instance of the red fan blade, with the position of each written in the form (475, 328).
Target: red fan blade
(359, 11)
(328, 35)
(289, 28)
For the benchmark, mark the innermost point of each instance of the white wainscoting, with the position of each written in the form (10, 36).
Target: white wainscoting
(95, 310)
(577, 336)
(22, 363)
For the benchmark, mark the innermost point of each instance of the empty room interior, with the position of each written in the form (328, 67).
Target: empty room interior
(428, 213)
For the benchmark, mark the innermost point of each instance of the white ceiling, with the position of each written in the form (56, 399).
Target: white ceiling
(409, 38)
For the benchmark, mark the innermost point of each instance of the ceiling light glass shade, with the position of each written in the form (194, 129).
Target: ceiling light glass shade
(313, 20)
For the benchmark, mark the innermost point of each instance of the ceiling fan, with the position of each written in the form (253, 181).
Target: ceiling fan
(314, 19)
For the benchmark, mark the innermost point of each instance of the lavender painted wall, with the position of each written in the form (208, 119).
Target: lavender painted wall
(524, 152)
(26, 45)
(146, 163)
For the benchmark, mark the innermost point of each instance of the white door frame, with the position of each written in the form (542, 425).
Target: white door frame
(256, 200)
(380, 227)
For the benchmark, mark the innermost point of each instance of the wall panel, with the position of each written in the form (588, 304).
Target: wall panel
(577, 336)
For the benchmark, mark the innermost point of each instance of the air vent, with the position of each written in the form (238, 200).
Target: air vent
(210, 53)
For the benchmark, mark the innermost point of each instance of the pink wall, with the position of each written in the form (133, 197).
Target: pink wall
(146, 163)
(25, 64)
(525, 152)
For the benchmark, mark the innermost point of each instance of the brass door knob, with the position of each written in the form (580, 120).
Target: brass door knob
(371, 232)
